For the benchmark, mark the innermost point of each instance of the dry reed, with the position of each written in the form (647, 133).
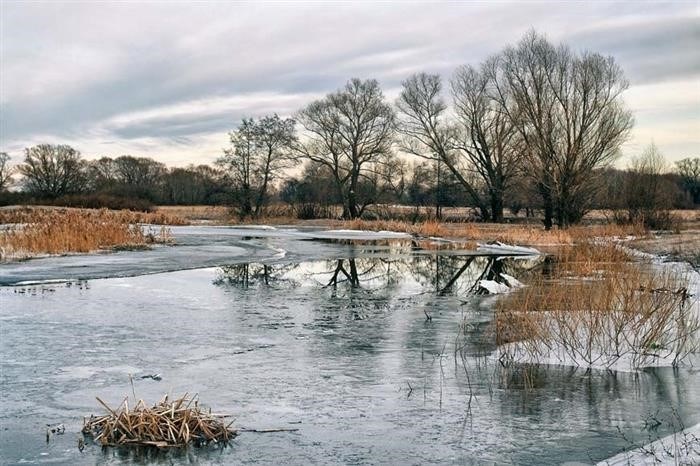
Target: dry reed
(428, 228)
(595, 308)
(530, 235)
(35, 214)
(59, 231)
(176, 423)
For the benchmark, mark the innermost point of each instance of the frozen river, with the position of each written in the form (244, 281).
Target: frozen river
(372, 349)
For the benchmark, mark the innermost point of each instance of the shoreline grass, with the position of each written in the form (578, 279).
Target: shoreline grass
(31, 232)
(596, 307)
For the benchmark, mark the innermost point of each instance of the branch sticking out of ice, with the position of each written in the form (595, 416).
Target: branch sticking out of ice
(679, 448)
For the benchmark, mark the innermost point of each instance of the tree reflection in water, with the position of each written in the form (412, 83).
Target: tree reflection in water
(356, 276)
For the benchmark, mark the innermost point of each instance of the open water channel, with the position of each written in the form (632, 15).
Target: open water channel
(376, 351)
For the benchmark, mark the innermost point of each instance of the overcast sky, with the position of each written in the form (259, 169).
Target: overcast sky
(168, 79)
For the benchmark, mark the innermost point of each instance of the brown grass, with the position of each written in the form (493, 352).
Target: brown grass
(429, 228)
(176, 423)
(507, 233)
(59, 231)
(197, 213)
(595, 306)
(31, 214)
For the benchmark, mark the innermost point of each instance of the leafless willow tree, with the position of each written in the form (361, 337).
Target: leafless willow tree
(570, 115)
(479, 145)
(350, 132)
(487, 137)
(52, 170)
(5, 171)
(260, 152)
(427, 132)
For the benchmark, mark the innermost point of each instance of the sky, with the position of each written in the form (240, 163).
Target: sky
(168, 80)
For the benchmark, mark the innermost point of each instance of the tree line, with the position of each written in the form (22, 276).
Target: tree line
(536, 127)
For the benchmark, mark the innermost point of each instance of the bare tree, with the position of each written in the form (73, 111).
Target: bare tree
(260, 151)
(5, 171)
(139, 176)
(569, 114)
(101, 174)
(488, 137)
(350, 132)
(52, 170)
(689, 171)
(427, 132)
(192, 185)
(648, 194)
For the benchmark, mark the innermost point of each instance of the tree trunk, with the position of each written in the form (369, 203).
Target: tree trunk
(496, 195)
(352, 199)
(548, 205)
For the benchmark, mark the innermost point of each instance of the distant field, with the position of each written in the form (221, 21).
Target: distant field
(283, 214)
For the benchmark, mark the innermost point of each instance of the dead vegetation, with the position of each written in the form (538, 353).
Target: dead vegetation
(37, 214)
(58, 231)
(175, 423)
(428, 228)
(530, 235)
(593, 306)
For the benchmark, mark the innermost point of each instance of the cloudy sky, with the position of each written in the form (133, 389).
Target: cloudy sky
(168, 79)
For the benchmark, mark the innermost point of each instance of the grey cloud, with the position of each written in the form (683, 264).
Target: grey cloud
(649, 50)
(138, 57)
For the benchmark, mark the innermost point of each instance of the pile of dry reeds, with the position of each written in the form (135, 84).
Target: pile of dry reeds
(176, 423)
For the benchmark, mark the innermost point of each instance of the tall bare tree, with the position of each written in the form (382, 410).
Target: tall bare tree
(5, 171)
(488, 137)
(52, 170)
(570, 116)
(350, 132)
(260, 151)
(427, 132)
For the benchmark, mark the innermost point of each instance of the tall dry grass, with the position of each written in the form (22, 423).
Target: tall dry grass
(34, 214)
(72, 230)
(595, 307)
(530, 235)
(429, 228)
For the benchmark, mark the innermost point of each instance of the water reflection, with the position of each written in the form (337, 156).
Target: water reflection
(439, 274)
(342, 349)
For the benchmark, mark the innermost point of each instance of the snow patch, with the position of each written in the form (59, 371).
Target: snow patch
(507, 249)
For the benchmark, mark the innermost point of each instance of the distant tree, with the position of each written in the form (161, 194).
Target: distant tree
(350, 132)
(101, 174)
(139, 177)
(649, 195)
(5, 171)
(52, 170)
(193, 185)
(313, 194)
(568, 110)
(260, 152)
(689, 170)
